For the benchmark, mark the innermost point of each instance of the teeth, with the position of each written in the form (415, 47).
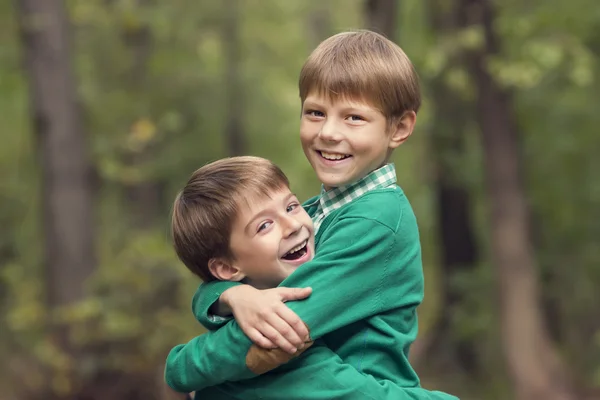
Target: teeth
(333, 156)
(295, 249)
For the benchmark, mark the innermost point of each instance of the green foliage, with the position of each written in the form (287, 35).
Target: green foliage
(151, 79)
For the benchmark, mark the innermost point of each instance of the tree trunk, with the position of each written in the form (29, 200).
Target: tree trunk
(382, 17)
(458, 246)
(67, 205)
(234, 91)
(66, 190)
(534, 365)
(459, 253)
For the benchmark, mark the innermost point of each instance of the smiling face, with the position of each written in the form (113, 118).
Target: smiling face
(345, 140)
(270, 238)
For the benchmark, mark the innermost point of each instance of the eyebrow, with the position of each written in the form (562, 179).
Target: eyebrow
(350, 109)
(265, 211)
(312, 104)
(356, 110)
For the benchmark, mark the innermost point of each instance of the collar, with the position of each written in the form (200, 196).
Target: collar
(335, 198)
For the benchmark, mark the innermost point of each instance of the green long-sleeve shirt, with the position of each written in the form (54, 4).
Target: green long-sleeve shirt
(367, 282)
(318, 375)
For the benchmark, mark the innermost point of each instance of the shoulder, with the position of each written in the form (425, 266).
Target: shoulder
(388, 207)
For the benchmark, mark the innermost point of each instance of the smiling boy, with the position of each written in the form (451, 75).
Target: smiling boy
(360, 96)
(237, 220)
(270, 240)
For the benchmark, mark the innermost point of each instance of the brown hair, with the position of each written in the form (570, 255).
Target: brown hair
(204, 211)
(362, 65)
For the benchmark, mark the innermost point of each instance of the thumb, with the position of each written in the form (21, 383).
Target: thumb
(289, 294)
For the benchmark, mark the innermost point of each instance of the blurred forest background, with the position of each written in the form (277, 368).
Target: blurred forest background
(107, 106)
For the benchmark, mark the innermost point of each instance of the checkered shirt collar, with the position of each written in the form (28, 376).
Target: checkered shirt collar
(337, 197)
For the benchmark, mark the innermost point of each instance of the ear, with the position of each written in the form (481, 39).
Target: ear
(225, 270)
(402, 129)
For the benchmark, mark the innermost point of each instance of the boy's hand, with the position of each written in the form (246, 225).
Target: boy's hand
(265, 319)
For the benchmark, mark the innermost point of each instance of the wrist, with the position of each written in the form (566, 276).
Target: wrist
(233, 296)
(222, 307)
(225, 298)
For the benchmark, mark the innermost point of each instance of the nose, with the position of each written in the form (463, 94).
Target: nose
(330, 131)
(291, 226)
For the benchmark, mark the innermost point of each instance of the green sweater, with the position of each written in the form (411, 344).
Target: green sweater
(367, 281)
(318, 375)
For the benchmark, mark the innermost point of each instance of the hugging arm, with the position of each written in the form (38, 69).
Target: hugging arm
(318, 374)
(206, 299)
(363, 268)
(353, 259)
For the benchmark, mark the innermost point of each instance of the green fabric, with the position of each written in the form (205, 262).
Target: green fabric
(204, 298)
(369, 254)
(331, 200)
(318, 375)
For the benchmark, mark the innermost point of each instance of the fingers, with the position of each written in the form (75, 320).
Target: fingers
(274, 334)
(269, 323)
(260, 340)
(289, 294)
(296, 324)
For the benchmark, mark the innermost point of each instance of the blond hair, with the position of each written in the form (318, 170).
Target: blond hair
(205, 210)
(362, 65)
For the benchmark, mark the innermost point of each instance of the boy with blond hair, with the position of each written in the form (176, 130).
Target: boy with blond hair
(360, 96)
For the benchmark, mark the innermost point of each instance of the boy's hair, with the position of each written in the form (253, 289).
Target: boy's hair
(362, 65)
(205, 210)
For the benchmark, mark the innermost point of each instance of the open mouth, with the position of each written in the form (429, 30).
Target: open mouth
(296, 252)
(333, 156)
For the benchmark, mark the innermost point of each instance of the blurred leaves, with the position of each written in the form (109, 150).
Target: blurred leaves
(151, 78)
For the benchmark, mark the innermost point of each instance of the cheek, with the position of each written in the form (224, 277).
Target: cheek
(303, 133)
(308, 129)
(267, 248)
(303, 136)
(364, 146)
(305, 140)
(369, 145)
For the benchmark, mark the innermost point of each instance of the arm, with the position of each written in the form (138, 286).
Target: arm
(357, 247)
(261, 314)
(318, 375)
(210, 312)
(372, 267)
(205, 361)
(351, 262)
(202, 362)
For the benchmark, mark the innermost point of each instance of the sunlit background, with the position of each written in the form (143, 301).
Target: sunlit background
(105, 114)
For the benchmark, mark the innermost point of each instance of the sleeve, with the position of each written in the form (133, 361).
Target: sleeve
(209, 360)
(355, 260)
(371, 267)
(206, 295)
(320, 374)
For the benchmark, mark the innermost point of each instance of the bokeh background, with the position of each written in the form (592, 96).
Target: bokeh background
(107, 106)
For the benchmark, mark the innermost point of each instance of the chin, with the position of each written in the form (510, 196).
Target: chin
(333, 183)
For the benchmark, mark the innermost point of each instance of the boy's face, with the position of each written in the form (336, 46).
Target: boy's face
(346, 140)
(270, 238)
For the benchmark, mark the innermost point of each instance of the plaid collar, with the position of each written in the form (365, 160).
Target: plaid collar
(331, 200)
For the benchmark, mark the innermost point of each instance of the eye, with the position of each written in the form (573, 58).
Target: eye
(292, 207)
(356, 118)
(314, 113)
(264, 226)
